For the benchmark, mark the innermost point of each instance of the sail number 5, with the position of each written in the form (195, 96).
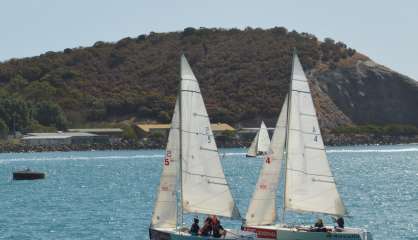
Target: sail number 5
(167, 158)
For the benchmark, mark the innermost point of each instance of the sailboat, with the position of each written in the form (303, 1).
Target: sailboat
(309, 185)
(261, 142)
(192, 180)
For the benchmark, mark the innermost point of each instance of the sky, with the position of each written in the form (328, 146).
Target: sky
(384, 30)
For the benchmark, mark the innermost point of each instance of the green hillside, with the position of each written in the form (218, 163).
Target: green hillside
(243, 74)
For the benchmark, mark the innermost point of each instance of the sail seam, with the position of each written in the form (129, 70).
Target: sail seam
(299, 80)
(202, 175)
(307, 114)
(200, 115)
(192, 91)
(315, 148)
(310, 174)
(189, 79)
(300, 91)
(304, 132)
(208, 149)
(201, 133)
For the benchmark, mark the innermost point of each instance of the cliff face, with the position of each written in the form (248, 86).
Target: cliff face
(371, 93)
(244, 77)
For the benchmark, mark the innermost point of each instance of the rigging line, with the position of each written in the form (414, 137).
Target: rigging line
(202, 175)
(315, 196)
(309, 174)
(214, 196)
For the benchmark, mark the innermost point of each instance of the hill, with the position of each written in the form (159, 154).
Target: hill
(244, 76)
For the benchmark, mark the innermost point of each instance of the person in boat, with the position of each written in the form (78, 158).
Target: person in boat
(340, 223)
(319, 223)
(319, 226)
(217, 229)
(194, 229)
(207, 227)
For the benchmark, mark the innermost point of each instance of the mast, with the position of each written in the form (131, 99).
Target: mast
(181, 145)
(289, 100)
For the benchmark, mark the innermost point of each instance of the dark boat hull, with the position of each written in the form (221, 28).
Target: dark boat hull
(25, 175)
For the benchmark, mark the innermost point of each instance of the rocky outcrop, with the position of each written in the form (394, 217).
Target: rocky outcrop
(367, 92)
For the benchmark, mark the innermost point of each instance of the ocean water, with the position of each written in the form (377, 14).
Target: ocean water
(110, 194)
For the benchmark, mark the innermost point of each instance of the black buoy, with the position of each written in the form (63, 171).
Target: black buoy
(28, 175)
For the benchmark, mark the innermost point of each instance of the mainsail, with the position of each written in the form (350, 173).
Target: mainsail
(261, 142)
(262, 209)
(309, 183)
(165, 210)
(204, 187)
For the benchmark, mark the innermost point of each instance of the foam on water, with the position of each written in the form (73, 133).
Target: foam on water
(107, 157)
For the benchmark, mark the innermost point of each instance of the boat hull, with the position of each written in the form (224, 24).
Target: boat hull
(27, 175)
(302, 233)
(174, 234)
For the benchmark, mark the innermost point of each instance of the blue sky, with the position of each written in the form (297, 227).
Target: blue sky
(386, 31)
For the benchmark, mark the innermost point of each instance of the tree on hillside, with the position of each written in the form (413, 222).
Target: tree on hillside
(50, 114)
(4, 129)
(15, 112)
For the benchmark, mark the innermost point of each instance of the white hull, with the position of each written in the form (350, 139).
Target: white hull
(281, 232)
(176, 234)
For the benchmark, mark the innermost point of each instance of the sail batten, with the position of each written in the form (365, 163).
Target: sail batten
(310, 185)
(205, 189)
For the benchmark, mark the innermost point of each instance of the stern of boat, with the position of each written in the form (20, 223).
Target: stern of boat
(155, 234)
(261, 232)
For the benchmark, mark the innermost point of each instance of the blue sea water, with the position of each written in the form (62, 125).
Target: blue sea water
(110, 194)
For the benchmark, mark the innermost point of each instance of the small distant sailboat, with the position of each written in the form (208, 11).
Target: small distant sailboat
(261, 142)
(192, 180)
(309, 185)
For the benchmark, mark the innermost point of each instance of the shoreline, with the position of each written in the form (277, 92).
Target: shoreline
(330, 140)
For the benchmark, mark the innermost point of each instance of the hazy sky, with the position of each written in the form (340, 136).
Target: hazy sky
(385, 30)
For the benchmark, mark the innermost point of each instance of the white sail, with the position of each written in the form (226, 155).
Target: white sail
(205, 189)
(263, 142)
(165, 210)
(252, 151)
(262, 209)
(310, 185)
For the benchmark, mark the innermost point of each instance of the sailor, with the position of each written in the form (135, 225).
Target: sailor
(194, 230)
(319, 226)
(207, 227)
(218, 230)
(340, 222)
(319, 223)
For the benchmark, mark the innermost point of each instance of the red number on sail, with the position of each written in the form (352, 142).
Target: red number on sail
(268, 160)
(166, 161)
